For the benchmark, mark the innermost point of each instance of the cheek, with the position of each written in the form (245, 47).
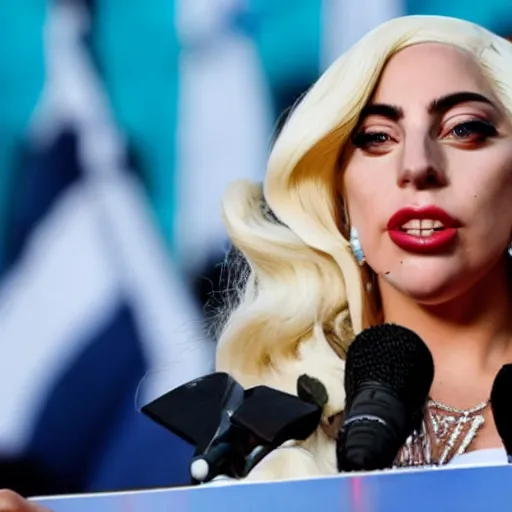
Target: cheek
(480, 193)
(366, 189)
(368, 197)
(485, 193)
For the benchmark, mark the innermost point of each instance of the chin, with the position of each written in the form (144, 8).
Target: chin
(432, 297)
(428, 288)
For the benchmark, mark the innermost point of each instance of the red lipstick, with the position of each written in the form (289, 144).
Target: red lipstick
(434, 239)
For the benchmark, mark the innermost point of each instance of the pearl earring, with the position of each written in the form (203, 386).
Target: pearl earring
(509, 250)
(355, 245)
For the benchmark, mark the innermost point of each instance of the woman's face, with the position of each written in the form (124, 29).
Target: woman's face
(428, 175)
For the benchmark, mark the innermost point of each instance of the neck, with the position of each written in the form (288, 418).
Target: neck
(474, 330)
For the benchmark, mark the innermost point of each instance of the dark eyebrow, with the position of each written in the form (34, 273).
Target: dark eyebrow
(391, 112)
(437, 106)
(441, 105)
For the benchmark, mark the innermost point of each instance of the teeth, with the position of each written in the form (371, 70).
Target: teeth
(412, 224)
(422, 224)
(420, 232)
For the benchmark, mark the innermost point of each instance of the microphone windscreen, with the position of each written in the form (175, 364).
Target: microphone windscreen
(274, 417)
(394, 356)
(501, 405)
(194, 410)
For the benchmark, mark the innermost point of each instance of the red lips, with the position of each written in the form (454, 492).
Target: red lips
(434, 242)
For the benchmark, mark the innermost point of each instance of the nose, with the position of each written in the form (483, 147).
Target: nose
(421, 164)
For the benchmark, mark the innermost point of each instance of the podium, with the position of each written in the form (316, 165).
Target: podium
(484, 488)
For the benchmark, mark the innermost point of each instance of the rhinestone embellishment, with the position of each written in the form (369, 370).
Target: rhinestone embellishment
(445, 433)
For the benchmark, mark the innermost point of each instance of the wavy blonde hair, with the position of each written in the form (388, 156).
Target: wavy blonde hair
(304, 298)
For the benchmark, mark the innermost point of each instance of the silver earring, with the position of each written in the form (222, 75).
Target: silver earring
(355, 245)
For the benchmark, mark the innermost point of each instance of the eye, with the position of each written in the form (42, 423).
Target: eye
(473, 131)
(368, 140)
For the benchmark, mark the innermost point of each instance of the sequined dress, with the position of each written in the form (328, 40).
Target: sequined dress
(445, 433)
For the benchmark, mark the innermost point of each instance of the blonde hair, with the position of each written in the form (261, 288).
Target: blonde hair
(304, 298)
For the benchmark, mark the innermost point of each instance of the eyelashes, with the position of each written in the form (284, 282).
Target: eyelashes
(364, 140)
(478, 129)
(472, 131)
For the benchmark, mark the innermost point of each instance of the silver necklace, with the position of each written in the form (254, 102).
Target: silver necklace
(445, 432)
(455, 428)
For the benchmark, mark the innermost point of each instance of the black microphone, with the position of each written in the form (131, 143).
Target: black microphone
(501, 406)
(388, 375)
(231, 428)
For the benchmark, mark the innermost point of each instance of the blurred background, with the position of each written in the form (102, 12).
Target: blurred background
(121, 123)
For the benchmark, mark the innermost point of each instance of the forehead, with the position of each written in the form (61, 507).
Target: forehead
(429, 70)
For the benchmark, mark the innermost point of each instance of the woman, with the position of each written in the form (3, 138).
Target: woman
(404, 148)
(386, 199)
